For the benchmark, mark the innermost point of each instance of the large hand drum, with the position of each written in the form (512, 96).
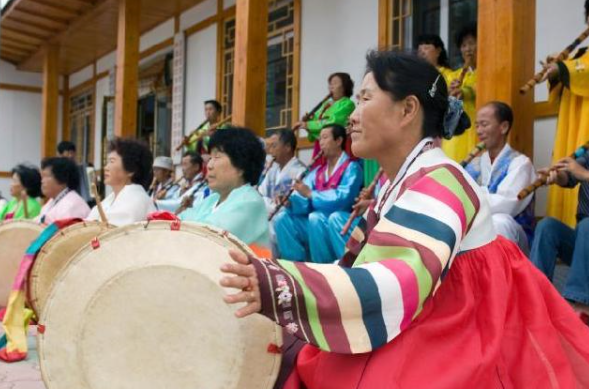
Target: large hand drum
(145, 310)
(15, 237)
(55, 256)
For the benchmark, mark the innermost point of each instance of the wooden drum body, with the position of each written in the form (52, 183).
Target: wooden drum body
(15, 237)
(145, 310)
(55, 256)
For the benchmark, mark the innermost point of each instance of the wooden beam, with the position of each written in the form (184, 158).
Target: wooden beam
(249, 79)
(157, 47)
(54, 10)
(50, 102)
(505, 60)
(384, 29)
(65, 109)
(5, 174)
(127, 78)
(20, 88)
(545, 109)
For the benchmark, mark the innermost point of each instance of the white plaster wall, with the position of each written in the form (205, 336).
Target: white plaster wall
(10, 75)
(201, 75)
(544, 132)
(198, 13)
(156, 35)
(20, 124)
(557, 25)
(105, 63)
(80, 76)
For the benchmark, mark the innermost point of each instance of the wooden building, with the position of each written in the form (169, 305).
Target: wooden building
(87, 70)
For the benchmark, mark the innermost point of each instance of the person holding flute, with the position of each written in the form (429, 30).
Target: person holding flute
(278, 179)
(310, 225)
(199, 140)
(554, 239)
(462, 83)
(193, 188)
(502, 173)
(569, 87)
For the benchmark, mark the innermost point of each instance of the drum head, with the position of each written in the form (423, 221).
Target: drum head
(145, 310)
(15, 237)
(55, 255)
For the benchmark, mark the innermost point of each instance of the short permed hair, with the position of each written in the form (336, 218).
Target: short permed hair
(346, 81)
(244, 149)
(30, 178)
(137, 159)
(64, 170)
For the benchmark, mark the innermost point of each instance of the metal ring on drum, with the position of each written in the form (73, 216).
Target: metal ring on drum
(144, 309)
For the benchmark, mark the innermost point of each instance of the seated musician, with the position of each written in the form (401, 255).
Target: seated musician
(554, 239)
(25, 187)
(463, 86)
(286, 168)
(59, 182)
(320, 206)
(128, 174)
(237, 160)
(67, 149)
(193, 187)
(503, 172)
(163, 187)
(200, 140)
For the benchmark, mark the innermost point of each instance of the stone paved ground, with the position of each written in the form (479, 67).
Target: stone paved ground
(25, 374)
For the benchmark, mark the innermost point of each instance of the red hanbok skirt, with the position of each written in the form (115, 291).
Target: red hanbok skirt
(495, 322)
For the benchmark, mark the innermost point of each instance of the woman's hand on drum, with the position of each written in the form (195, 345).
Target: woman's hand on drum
(244, 278)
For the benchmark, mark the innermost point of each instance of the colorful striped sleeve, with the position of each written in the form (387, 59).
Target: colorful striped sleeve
(358, 309)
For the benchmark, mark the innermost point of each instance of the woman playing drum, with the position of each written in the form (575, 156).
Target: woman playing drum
(428, 295)
(237, 161)
(128, 172)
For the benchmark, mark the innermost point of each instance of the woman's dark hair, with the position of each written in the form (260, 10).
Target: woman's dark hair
(468, 30)
(30, 178)
(503, 112)
(215, 104)
(346, 81)
(586, 9)
(436, 41)
(337, 132)
(244, 149)
(137, 159)
(64, 170)
(401, 75)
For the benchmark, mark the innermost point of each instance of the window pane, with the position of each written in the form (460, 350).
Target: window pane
(426, 18)
(462, 13)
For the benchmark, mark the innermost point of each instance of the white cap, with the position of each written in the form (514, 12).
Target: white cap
(164, 163)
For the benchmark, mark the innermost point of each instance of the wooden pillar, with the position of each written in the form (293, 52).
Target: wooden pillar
(65, 112)
(127, 68)
(249, 79)
(506, 54)
(49, 116)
